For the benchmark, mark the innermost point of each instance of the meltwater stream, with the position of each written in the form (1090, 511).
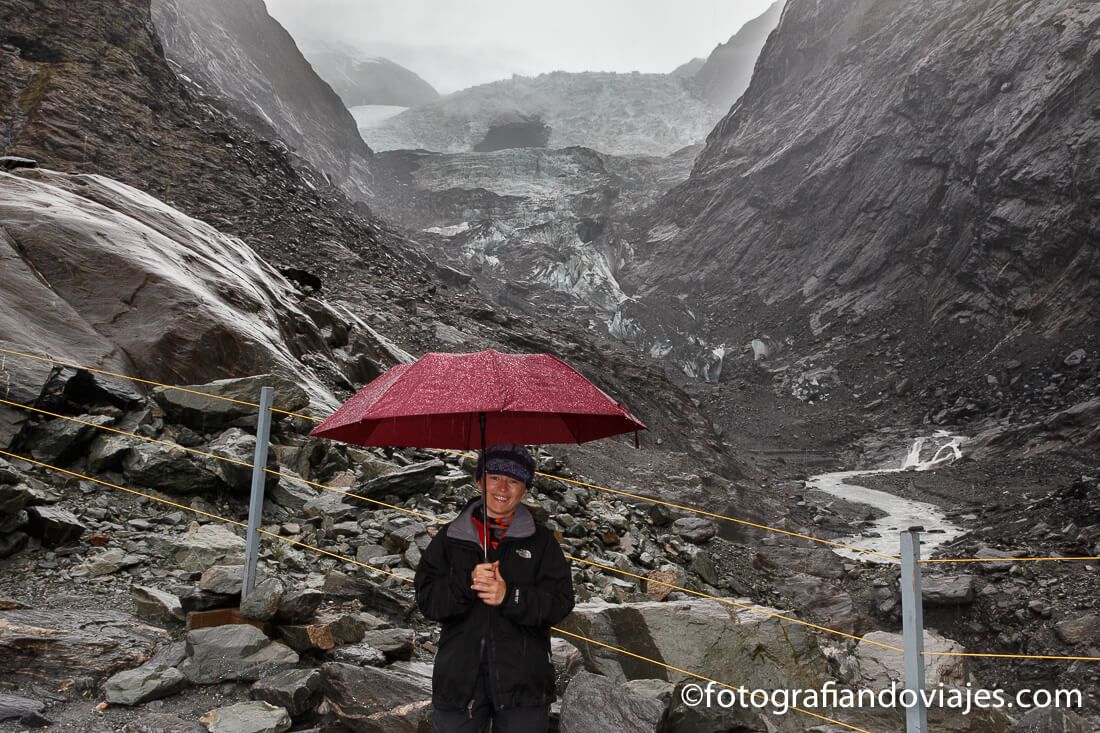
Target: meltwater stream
(883, 535)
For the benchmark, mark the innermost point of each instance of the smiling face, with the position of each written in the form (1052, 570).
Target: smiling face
(502, 494)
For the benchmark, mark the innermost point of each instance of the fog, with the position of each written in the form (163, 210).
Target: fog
(454, 45)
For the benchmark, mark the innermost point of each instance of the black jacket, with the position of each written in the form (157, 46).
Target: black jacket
(517, 632)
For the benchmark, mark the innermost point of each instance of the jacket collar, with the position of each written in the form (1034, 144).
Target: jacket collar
(462, 528)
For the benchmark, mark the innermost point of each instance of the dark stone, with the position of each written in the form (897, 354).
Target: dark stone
(298, 607)
(53, 525)
(417, 478)
(371, 700)
(372, 595)
(24, 710)
(297, 690)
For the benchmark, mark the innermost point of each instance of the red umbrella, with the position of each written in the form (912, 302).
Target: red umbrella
(438, 401)
(465, 401)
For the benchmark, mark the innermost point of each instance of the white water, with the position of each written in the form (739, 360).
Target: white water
(901, 514)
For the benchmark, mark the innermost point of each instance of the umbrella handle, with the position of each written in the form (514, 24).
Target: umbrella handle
(484, 494)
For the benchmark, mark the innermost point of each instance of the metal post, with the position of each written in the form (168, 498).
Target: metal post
(912, 629)
(259, 477)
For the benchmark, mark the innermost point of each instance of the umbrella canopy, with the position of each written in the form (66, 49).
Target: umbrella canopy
(437, 402)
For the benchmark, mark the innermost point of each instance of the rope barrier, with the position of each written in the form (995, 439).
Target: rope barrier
(638, 497)
(945, 560)
(386, 572)
(227, 459)
(439, 520)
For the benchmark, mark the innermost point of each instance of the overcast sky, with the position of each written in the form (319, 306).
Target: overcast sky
(454, 44)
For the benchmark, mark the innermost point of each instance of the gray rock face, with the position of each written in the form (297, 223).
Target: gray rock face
(787, 202)
(247, 717)
(726, 73)
(593, 703)
(370, 700)
(567, 661)
(233, 652)
(61, 222)
(242, 53)
(370, 81)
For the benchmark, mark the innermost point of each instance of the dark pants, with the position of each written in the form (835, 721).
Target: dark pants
(512, 720)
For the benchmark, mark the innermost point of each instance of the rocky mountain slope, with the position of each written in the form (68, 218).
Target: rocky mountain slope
(621, 114)
(370, 81)
(924, 173)
(725, 74)
(237, 51)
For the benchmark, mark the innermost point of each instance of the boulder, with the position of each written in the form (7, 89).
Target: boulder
(370, 700)
(202, 413)
(107, 451)
(206, 545)
(822, 599)
(54, 646)
(1080, 631)
(299, 606)
(290, 494)
(361, 655)
(411, 480)
(224, 580)
(296, 690)
(24, 381)
(717, 718)
(247, 717)
(373, 596)
(156, 605)
(695, 529)
(23, 710)
(947, 590)
(59, 440)
(595, 703)
(54, 525)
(396, 644)
(239, 446)
(233, 652)
(263, 602)
(110, 561)
(150, 681)
(879, 666)
(170, 469)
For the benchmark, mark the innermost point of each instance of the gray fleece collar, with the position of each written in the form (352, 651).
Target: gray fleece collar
(462, 528)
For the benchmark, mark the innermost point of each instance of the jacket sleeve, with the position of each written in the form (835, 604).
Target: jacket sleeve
(549, 599)
(441, 593)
